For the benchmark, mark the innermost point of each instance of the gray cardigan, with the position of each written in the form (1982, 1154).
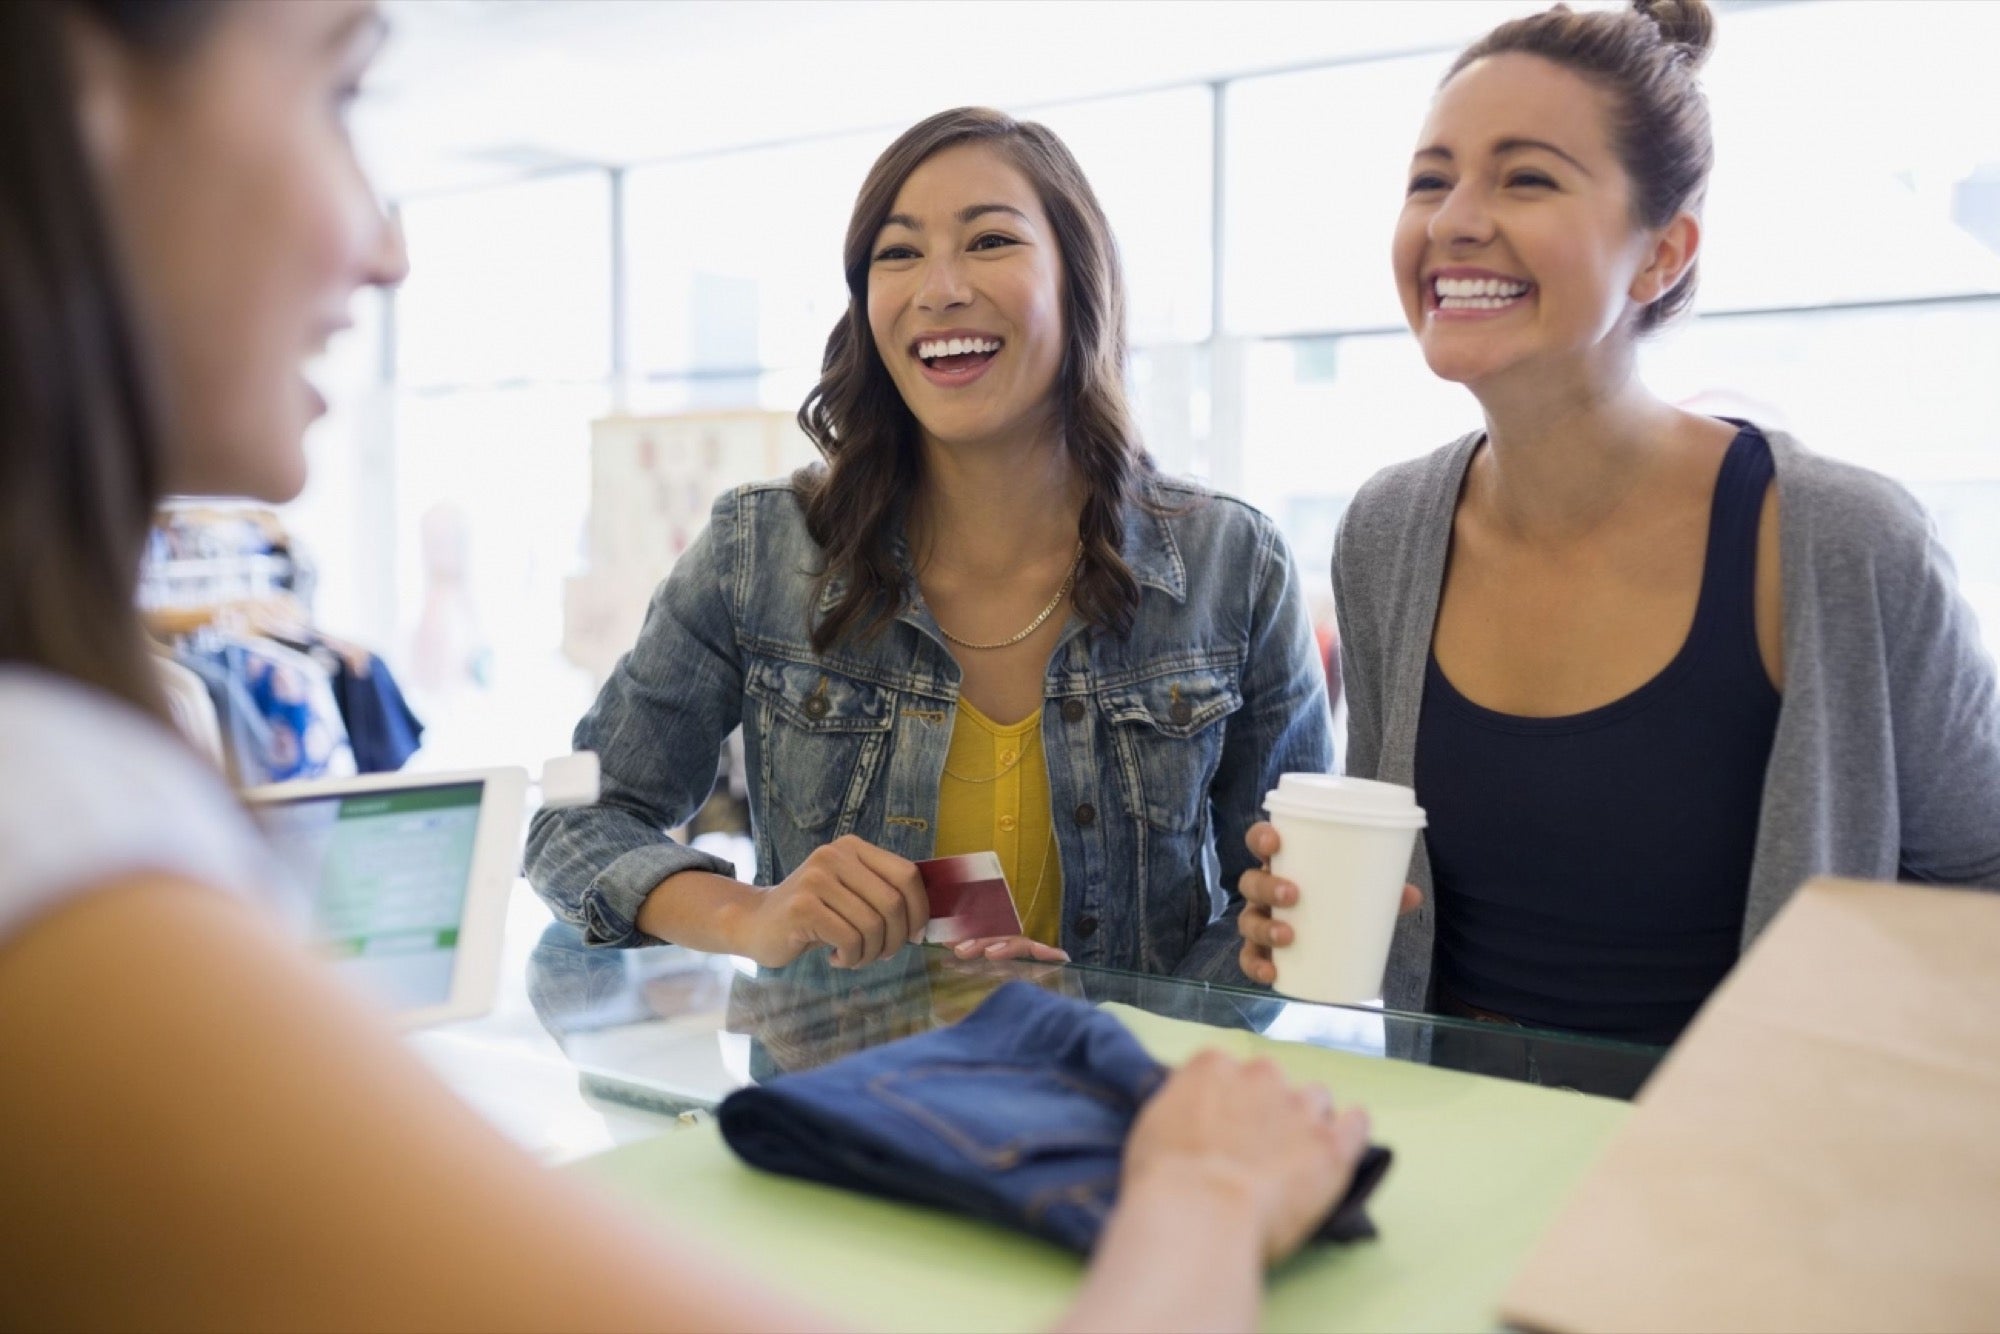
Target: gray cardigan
(1886, 760)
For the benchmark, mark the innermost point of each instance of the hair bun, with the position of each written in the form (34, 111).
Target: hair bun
(1688, 24)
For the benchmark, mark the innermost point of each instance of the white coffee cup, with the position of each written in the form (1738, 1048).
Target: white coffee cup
(1346, 843)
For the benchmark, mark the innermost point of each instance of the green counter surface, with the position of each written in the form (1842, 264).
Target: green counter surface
(1481, 1167)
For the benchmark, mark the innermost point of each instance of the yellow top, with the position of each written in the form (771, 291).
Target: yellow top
(995, 798)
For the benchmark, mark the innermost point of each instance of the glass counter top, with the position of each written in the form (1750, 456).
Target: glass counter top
(671, 1031)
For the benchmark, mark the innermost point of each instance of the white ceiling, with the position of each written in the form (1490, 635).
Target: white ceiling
(475, 91)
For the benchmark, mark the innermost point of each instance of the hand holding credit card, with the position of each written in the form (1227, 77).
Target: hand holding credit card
(969, 898)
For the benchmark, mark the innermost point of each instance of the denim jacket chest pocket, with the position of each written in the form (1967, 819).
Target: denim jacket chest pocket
(823, 735)
(1168, 733)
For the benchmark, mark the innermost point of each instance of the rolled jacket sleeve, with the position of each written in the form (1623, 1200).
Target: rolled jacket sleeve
(657, 727)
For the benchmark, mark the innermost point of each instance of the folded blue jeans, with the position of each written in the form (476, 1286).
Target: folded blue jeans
(1017, 1114)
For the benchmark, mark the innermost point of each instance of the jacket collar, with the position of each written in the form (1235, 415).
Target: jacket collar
(1150, 548)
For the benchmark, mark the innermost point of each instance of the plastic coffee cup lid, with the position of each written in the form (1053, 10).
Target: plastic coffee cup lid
(1348, 800)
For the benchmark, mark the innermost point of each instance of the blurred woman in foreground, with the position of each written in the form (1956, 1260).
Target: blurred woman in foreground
(200, 1127)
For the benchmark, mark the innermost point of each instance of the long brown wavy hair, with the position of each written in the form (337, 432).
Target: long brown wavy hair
(855, 503)
(81, 441)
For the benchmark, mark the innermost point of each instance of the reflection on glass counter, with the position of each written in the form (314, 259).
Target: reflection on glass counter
(671, 1030)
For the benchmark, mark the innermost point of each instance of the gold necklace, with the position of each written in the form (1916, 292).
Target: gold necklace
(1033, 625)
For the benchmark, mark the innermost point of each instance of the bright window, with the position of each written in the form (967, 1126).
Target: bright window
(734, 261)
(1314, 182)
(1149, 159)
(508, 284)
(1857, 155)
(492, 490)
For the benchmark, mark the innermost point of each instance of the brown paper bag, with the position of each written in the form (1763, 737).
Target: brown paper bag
(1822, 1149)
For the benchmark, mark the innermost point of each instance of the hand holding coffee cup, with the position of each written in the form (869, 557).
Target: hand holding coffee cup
(1262, 891)
(1325, 909)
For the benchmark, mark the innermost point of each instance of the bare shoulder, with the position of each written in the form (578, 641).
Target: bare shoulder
(1712, 435)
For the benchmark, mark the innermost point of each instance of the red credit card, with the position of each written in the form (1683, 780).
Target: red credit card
(969, 898)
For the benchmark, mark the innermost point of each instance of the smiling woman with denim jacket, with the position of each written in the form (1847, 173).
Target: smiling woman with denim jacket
(987, 541)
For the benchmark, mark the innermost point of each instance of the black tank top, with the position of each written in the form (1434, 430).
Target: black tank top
(1591, 870)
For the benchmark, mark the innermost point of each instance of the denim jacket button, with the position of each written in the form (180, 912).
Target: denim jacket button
(1086, 927)
(816, 707)
(1086, 814)
(1072, 710)
(1181, 712)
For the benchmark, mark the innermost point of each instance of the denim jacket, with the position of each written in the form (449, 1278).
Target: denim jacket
(1161, 743)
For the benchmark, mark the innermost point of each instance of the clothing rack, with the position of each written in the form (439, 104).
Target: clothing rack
(251, 679)
(191, 583)
(211, 555)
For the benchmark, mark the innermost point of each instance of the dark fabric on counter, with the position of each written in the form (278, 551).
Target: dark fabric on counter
(1018, 1114)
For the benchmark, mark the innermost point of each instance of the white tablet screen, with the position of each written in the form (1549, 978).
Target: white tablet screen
(388, 871)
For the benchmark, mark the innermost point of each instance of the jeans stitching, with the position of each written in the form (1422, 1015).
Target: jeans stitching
(1005, 1155)
(1093, 1196)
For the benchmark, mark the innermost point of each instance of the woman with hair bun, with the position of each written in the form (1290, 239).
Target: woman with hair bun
(1648, 671)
